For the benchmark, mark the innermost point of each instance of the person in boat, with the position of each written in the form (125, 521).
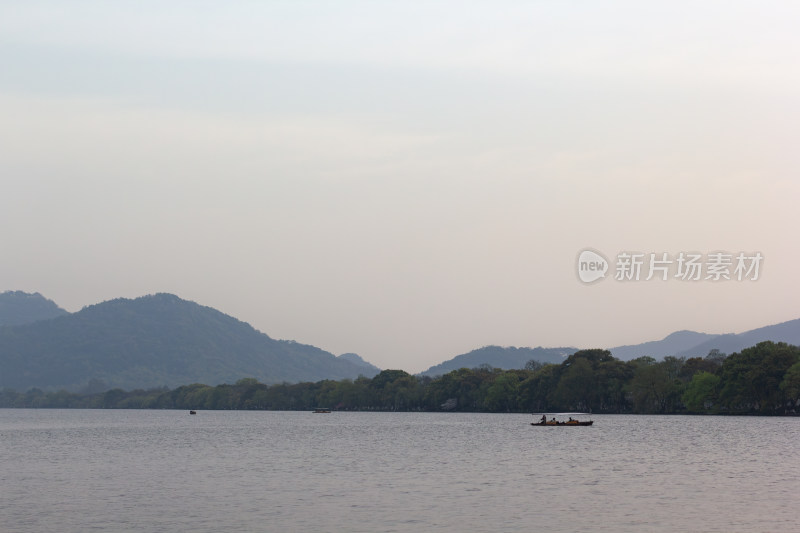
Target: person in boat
(544, 419)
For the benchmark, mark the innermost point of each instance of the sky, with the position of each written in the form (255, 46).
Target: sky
(407, 181)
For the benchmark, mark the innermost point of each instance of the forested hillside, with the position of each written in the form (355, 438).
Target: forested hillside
(17, 307)
(505, 357)
(153, 341)
(763, 379)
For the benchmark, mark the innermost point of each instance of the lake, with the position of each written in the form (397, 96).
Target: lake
(165, 471)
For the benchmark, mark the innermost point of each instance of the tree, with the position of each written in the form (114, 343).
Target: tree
(751, 379)
(387, 376)
(612, 378)
(579, 384)
(716, 357)
(534, 365)
(402, 394)
(195, 396)
(693, 365)
(790, 386)
(501, 395)
(595, 356)
(112, 398)
(702, 393)
(536, 391)
(577, 388)
(462, 385)
(653, 388)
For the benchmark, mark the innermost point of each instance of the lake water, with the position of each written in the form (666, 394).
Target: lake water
(164, 471)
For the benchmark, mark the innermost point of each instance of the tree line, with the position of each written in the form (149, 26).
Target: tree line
(763, 379)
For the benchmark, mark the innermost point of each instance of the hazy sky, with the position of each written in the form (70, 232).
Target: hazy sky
(404, 180)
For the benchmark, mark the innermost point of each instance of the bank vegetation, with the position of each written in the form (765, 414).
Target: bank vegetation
(763, 379)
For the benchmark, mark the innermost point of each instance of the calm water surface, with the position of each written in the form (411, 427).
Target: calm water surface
(164, 471)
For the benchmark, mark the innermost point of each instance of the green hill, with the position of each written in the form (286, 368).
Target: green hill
(17, 307)
(505, 357)
(356, 359)
(153, 341)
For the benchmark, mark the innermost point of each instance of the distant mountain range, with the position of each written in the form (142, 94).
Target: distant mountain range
(357, 360)
(153, 341)
(693, 344)
(162, 340)
(680, 344)
(17, 308)
(501, 357)
(672, 344)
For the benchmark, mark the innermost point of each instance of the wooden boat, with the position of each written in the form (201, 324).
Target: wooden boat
(572, 423)
(192, 412)
(321, 410)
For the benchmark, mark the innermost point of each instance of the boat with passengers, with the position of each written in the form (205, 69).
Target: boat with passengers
(553, 422)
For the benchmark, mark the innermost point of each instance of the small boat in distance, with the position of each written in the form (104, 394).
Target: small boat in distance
(553, 422)
(192, 412)
(321, 410)
(573, 423)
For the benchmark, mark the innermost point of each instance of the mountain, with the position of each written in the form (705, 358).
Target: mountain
(672, 344)
(680, 343)
(17, 307)
(692, 344)
(506, 358)
(788, 332)
(357, 360)
(152, 341)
